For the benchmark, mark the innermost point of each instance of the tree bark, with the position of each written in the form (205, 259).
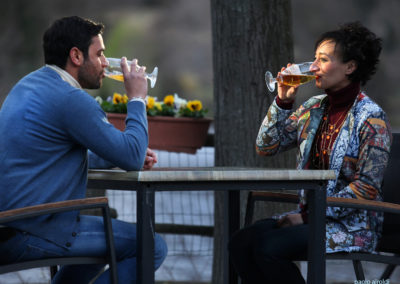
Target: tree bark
(249, 37)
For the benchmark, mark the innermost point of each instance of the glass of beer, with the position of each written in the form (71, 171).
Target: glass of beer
(114, 71)
(294, 75)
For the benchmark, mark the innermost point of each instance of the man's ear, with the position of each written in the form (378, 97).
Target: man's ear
(351, 67)
(76, 56)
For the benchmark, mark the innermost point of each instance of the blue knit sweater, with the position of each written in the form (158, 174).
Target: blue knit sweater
(46, 128)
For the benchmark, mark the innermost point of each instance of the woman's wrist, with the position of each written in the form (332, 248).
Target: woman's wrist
(284, 104)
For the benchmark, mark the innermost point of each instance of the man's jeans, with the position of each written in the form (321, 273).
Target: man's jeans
(90, 241)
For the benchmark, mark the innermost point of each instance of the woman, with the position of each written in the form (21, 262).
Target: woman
(343, 130)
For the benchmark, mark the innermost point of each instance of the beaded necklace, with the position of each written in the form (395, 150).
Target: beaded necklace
(322, 147)
(338, 106)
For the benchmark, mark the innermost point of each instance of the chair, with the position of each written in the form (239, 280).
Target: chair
(57, 207)
(388, 249)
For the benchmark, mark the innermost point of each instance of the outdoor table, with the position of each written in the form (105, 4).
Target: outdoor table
(231, 181)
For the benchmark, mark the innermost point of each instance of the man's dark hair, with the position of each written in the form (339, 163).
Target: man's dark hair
(356, 42)
(65, 34)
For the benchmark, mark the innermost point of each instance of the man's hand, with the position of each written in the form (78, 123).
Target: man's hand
(150, 159)
(290, 220)
(134, 79)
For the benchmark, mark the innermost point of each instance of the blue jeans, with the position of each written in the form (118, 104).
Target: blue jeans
(263, 252)
(90, 241)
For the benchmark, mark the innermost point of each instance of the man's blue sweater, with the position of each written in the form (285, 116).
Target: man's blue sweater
(46, 127)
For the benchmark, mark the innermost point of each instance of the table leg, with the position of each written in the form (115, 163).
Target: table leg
(232, 220)
(316, 241)
(145, 235)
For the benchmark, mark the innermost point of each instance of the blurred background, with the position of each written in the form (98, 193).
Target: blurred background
(175, 35)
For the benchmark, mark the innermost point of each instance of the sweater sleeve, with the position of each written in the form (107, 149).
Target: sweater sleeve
(96, 162)
(87, 124)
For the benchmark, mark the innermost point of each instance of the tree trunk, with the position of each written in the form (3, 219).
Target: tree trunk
(249, 37)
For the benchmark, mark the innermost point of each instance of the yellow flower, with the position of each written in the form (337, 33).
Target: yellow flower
(150, 102)
(125, 99)
(158, 106)
(194, 105)
(117, 98)
(169, 100)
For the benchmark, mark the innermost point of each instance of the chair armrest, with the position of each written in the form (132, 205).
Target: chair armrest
(275, 196)
(331, 201)
(51, 208)
(363, 204)
(266, 196)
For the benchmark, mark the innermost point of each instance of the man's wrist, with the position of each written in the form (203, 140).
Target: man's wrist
(140, 99)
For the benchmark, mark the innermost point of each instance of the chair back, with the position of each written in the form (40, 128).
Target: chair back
(391, 193)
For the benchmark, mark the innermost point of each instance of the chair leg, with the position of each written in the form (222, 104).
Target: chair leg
(249, 210)
(388, 271)
(110, 242)
(358, 270)
(53, 271)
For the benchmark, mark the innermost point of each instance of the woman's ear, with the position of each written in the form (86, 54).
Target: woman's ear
(76, 56)
(351, 67)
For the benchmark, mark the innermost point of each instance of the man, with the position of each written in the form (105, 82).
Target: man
(48, 123)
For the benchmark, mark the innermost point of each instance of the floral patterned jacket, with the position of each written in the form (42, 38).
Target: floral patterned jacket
(359, 157)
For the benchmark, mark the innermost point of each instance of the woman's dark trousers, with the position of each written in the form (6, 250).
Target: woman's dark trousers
(264, 253)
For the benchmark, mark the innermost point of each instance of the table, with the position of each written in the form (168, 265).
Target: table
(230, 180)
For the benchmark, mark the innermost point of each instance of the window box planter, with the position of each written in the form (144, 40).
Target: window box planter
(174, 134)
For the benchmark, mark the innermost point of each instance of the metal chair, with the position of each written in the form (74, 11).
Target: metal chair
(57, 207)
(388, 249)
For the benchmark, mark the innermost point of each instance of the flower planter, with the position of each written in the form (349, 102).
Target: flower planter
(174, 134)
(177, 134)
(117, 119)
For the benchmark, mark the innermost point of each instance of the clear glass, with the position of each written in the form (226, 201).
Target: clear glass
(114, 71)
(294, 75)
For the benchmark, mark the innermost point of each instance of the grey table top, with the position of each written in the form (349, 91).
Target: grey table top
(211, 174)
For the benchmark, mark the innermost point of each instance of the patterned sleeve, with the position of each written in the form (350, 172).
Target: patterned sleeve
(375, 141)
(278, 131)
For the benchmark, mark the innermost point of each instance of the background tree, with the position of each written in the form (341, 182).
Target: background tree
(248, 37)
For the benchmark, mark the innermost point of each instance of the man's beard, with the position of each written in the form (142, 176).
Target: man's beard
(87, 77)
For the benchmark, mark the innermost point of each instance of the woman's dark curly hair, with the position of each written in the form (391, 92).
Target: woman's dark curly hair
(356, 42)
(65, 34)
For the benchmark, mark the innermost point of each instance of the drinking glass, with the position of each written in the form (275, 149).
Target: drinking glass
(114, 71)
(294, 75)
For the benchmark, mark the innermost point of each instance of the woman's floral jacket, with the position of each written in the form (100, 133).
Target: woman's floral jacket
(359, 157)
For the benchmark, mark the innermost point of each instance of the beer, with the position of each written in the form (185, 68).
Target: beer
(118, 77)
(295, 80)
(114, 71)
(293, 75)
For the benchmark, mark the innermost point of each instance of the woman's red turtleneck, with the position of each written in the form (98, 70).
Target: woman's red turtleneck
(339, 103)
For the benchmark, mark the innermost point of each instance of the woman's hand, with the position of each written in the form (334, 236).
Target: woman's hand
(290, 220)
(150, 159)
(286, 93)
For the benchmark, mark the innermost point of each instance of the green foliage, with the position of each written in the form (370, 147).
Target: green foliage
(173, 105)
(186, 112)
(166, 110)
(113, 108)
